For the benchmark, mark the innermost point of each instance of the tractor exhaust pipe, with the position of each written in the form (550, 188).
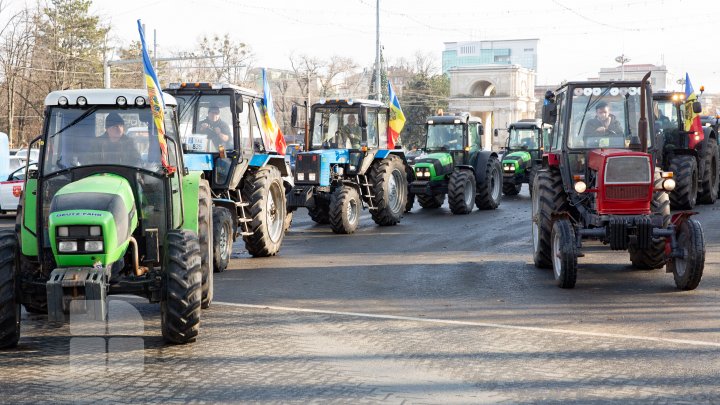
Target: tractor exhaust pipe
(139, 271)
(643, 122)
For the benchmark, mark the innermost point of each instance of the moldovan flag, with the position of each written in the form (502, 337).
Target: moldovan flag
(157, 102)
(692, 120)
(271, 127)
(397, 118)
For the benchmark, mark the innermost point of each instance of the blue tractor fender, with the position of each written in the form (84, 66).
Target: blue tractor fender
(481, 163)
(199, 162)
(262, 160)
(380, 154)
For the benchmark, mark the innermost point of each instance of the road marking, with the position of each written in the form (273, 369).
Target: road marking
(470, 323)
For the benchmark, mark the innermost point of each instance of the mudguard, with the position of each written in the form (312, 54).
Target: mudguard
(481, 163)
(278, 161)
(191, 200)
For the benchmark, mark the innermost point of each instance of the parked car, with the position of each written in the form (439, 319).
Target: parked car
(11, 188)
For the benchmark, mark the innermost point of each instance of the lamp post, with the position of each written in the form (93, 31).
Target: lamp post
(622, 60)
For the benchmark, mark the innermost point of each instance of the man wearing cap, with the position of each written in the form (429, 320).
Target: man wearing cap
(114, 146)
(216, 129)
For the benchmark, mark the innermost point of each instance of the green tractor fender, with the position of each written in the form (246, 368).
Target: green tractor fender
(191, 200)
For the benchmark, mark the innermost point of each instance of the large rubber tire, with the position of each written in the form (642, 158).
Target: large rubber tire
(390, 190)
(511, 188)
(288, 221)
(410, 202)
(548, 197)
(429, 202)
(461, 192)
(488, 193)
(265, 193)
(9, 299)
(222, 238)
(30, 271)
(207, 248)
(319, 211)
(653, 258)
(345, 208)
(531, 181)
(685, 173)
(182, 287)
(688, 271)
(564, 253)
(709, 177)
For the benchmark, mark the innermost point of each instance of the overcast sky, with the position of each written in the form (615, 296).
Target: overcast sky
(577, 37)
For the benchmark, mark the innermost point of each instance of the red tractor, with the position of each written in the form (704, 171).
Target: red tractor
(601, 181)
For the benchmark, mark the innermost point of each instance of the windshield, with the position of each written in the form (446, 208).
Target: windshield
(337, 128)
(205, 122)
(445, 137)
(604, 117)
(104, 136)
(526, 138)
(666, 115)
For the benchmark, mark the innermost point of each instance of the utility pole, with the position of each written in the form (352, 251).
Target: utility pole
(377, 52)
(622, 60)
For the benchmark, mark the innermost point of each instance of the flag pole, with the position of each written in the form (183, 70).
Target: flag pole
(377, 52)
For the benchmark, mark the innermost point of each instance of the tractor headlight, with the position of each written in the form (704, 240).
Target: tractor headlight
(81, 101)
(580, 187)
(93, 246)
(63, 231)
(668, 184)
(311, 177)
(67, 246)
(95, 231)
(301, 176)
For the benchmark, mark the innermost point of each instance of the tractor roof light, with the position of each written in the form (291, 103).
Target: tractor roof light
(121, 101)
(81, 101)
(430, 122)
(580, 187)
(139, 101)
(457, 122)
(63, 101)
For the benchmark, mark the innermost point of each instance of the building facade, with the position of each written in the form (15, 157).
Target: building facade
(521, 52)
(660, 78)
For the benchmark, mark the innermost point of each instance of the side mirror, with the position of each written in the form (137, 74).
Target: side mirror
(293, 116)
(238, 103)
(697, 107)
(496, 132)
(363, 117)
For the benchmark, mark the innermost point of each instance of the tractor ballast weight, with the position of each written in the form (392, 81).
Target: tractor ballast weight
(223, 136)
(454, 163)
(693, 156)
(523, 154)
(101, 215)
(347, 166)
(605, 185)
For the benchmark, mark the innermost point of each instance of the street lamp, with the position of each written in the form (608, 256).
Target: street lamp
(622, 60)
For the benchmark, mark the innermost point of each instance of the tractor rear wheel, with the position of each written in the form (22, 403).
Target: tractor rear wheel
(564, 253)
(488, 197)
(688, 271)
(709, 181)
(548, 197)
(222, 238)
(265, 193)
(431, 201)
(410, 202)
(9, 299)
(461, 192)
(319, 212)
(345, 207)
(207, 248)
(654, 257)
(685, 173)
(182, 287)
(389, 189)
(511, 188)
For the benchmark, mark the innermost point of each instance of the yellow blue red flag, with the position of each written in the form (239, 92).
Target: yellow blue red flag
(693, 124)
(157, 102)
(397, 118)
(277, 140)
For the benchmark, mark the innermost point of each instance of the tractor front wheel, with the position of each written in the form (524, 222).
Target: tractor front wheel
(207, 248)
(511, 188)
(222, 238)
(9, 299)
(564, 253)
(685, 173)
(461, 192)
(410, 202)
(654, 257)
(319, 211)
(182, 287)
(345, 209)
(548, 197)
(266, 195)
(488, 196)
(389, 189)
(688, 270)
(431, 201)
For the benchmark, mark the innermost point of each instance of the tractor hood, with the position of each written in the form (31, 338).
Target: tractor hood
(91, 221)
(515, 162)
(436, 164)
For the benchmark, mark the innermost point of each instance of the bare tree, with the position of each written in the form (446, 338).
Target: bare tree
(336, 69)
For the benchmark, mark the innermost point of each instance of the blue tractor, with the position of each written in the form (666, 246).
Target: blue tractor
(348, 165)
(222, 134)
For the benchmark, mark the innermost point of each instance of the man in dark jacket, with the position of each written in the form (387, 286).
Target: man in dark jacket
(217, 130)
(604, 124)
(114, 147)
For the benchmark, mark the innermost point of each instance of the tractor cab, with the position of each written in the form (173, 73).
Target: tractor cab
(523, 152)
(459, 136)
(669, 112)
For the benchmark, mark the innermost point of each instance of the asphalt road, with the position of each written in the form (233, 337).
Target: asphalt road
(439, 309)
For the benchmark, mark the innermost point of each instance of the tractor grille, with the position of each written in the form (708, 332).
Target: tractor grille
(627, 169)
(640, 192)
(307, 168)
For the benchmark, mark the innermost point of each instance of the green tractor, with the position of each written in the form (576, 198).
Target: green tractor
(523, 154)
(455, 164)
(248, 181)
(101, 215)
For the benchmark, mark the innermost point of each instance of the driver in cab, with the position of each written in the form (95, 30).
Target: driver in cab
(604, 124)
(351, 132)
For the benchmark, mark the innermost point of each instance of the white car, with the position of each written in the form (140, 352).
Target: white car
(11, 188)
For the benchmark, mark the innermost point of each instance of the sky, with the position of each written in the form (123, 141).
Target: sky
(577, 37)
